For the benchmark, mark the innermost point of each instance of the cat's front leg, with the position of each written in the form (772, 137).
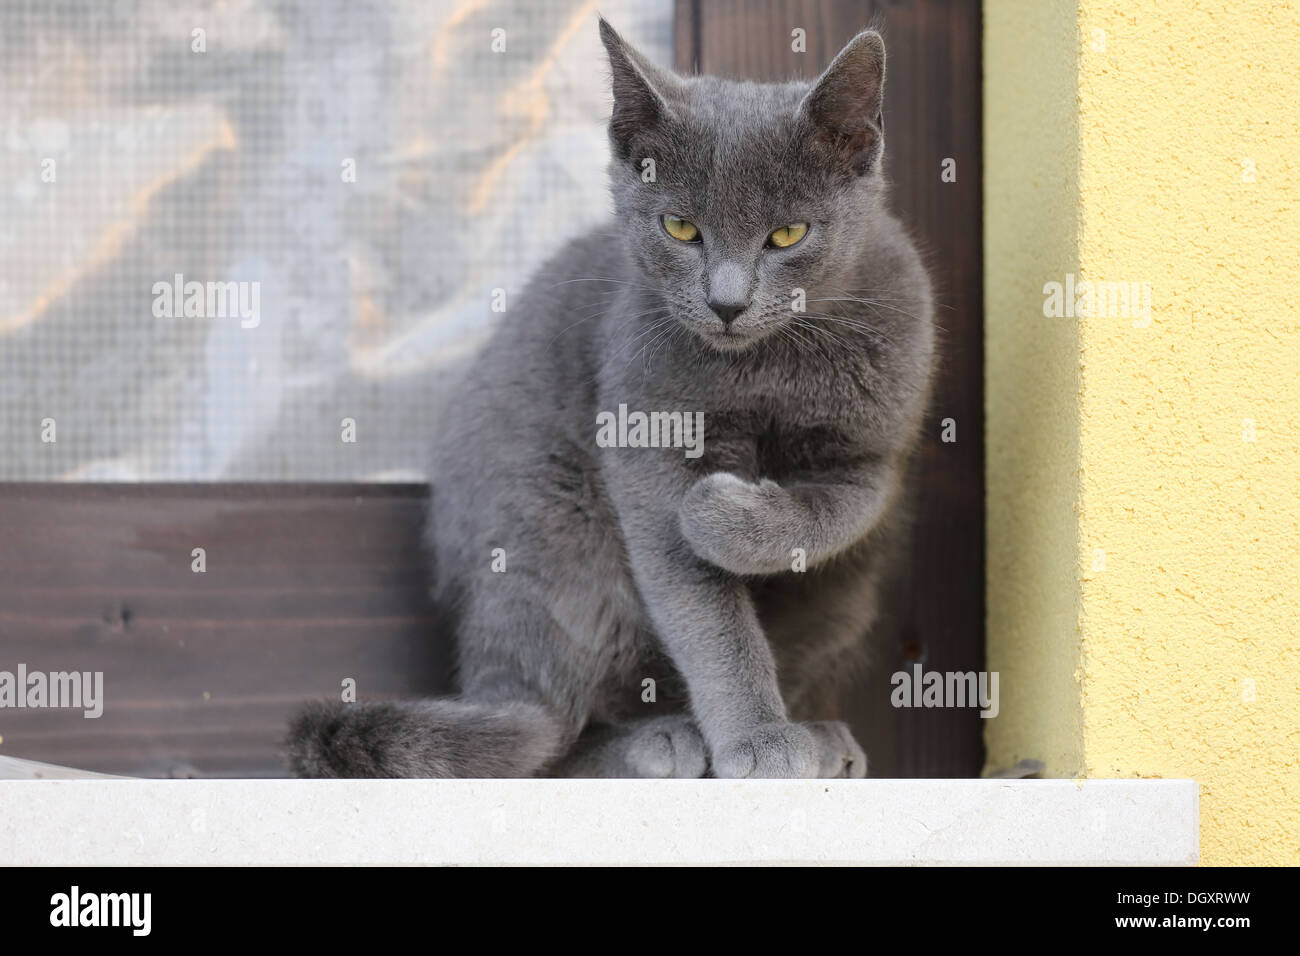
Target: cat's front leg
(765, 528)
(710, 628)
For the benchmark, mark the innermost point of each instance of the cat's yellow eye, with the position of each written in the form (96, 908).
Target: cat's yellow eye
(680, 229)
(787, 236)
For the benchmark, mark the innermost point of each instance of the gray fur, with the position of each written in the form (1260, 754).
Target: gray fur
(631, 563)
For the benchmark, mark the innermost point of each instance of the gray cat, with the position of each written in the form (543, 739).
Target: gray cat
(753, 274)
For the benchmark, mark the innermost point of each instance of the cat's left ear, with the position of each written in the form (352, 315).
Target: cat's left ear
(846, 105)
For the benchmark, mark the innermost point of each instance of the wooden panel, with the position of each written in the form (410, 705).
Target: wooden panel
(932, 112)
(305, 585)
(308, 584)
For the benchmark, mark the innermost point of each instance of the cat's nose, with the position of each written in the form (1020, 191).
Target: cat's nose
(728, 290)
(727, 311)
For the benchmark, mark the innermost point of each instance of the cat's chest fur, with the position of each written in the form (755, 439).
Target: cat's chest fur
(786, 413)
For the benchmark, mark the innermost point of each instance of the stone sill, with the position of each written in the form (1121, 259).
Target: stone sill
(116, 821)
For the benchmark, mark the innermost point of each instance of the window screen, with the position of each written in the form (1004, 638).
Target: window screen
(256, 240)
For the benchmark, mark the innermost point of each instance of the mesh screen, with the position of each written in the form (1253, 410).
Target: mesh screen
(334, 187)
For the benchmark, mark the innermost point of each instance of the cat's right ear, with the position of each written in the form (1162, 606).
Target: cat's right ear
(640, 92)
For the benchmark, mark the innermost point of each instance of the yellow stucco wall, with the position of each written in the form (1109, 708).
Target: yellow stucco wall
(1144, 556)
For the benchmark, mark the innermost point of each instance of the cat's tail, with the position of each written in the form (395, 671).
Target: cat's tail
(447, 737)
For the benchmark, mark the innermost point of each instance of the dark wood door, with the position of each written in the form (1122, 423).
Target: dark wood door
(932, 114)
(307, 585)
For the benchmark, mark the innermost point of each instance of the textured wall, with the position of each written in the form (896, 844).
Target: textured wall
(1188, 519)
(1031, 384)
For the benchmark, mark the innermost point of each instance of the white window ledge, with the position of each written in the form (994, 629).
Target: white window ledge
(109, 821)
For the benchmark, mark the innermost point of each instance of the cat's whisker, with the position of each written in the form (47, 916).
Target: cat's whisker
(859, 299)
(596, 316)
(876, 306)
(640, 336)
(825, 339)
(668, 344)
(651, 344)
(612, 280)
(837, 340)
(862, 291)
(852, 323)
(792, 336)
(870, 303)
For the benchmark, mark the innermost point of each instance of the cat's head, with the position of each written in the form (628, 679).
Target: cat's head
(735, 196)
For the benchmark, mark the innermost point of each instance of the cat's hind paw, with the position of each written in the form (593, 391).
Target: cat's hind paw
(667, 747)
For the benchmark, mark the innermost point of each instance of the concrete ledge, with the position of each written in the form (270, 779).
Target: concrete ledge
(333, 822)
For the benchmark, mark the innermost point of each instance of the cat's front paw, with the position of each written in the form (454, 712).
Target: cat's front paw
(729, 522)
(821, 749)
(840, 753)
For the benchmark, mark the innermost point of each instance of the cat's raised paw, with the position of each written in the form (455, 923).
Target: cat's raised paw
(729, 522)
